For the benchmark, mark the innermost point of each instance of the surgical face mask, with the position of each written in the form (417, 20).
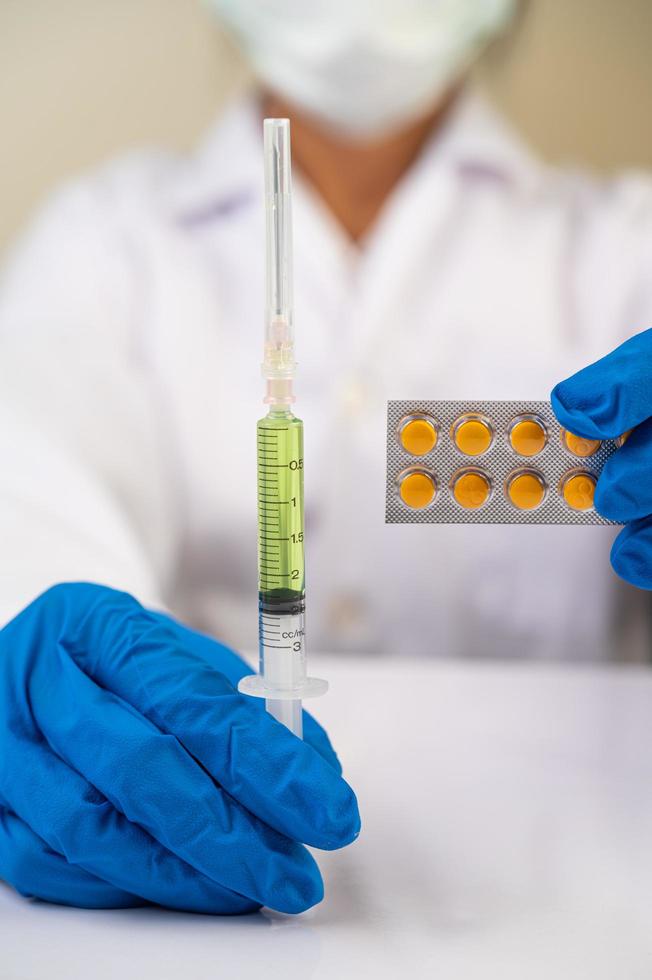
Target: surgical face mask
(363, 66)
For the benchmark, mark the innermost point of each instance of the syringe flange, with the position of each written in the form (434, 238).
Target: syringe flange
(254, 685)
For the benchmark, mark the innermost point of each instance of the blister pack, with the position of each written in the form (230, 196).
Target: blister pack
(489, 462)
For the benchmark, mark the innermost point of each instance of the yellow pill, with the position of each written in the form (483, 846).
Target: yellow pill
(417, 490)
(418, 436)
(621, 440)
(471, 490)
(527, 437)
(578, 491)
(472, 436)
(526, 491)
(579, 446)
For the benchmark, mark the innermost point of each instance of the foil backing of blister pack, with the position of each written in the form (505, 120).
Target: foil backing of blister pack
(499, 463)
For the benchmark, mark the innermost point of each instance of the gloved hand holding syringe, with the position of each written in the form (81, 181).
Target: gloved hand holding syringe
(122, 740)
(282, 680)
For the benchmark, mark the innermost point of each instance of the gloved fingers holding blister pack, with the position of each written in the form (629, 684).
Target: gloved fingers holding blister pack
(132, 771)
(609, 399)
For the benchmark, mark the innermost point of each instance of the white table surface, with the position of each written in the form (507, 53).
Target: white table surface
(507, 833)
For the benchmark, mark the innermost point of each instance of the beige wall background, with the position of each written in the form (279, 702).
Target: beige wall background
(81, 80)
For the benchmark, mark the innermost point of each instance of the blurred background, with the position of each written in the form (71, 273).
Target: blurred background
(82, 80)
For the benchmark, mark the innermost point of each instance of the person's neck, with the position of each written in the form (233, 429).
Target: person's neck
(354, 178)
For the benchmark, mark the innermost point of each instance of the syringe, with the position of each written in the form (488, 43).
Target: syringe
(282, 678)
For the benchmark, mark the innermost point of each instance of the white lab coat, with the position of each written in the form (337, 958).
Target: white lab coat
(130, 344)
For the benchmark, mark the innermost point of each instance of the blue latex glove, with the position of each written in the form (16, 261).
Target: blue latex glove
(603, 401)
(132, 771)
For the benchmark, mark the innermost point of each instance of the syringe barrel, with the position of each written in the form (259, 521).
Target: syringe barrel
(278, 361)
(282, 649)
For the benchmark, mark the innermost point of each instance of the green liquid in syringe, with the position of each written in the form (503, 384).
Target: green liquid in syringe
(281, 581)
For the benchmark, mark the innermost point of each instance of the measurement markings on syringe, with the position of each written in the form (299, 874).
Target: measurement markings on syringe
(279, 531)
